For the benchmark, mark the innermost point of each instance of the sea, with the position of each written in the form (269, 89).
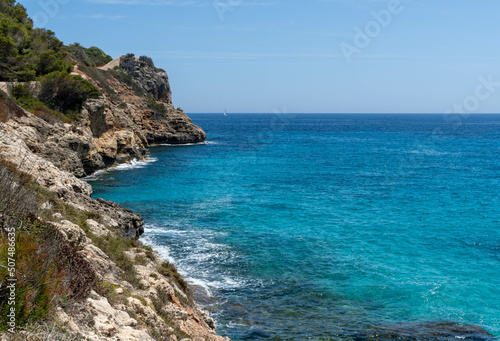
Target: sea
(319, 226)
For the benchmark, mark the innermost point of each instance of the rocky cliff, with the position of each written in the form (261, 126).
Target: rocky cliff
(131, 293)
(134, 112)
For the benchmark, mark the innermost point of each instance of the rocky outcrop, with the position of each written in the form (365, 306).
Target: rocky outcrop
(138, 113)
(14, 149)
(135, 111)
(74, 191)
(150, 78)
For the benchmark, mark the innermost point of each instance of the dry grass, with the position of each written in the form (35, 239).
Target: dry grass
(45, 331)
(48, 271)
(168, 270)
(47, 268)
(17, 196)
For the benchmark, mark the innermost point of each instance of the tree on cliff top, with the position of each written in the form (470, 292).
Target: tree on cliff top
(92, 56)
(27, 52)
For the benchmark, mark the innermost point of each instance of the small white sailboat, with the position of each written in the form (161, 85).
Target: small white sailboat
(225, 113)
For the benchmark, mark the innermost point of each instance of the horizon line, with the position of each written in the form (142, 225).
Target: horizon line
(340, 113)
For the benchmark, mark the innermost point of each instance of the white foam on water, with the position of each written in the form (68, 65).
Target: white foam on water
(133, 164)
(162, 250)
(95, 175)
(202, 284)
(200, 256)
(162, 232)
(186, 144)
(430, 152)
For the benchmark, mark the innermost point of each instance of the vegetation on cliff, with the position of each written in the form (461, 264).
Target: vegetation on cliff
(34, 54)
(55, 276)
(80, 271)
(48, 271)
(54, 80)
(27, 52)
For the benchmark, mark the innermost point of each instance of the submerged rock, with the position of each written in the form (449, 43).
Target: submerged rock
(425, 331)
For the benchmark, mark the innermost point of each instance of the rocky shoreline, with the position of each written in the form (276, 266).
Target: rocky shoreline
(132, 293)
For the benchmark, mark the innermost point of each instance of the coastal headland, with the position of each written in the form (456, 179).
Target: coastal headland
(78, 269)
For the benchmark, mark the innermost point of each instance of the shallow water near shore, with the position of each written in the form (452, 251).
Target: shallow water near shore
(316, 227)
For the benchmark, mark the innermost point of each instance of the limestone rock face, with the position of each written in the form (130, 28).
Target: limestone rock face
(115, 136)
(161, 123)
(16, 150)
(177, 128)
(74, 191)
(151, 79)
(67, 147)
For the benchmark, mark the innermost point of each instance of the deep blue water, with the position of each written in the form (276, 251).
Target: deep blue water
(309, 227)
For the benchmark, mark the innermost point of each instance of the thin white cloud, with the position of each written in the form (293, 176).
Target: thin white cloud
(212, 55)
(104, 16)
(144, 2)
(208, 3)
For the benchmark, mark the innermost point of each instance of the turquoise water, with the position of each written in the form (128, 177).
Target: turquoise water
(309, 227)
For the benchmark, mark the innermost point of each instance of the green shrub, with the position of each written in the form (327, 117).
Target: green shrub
(122, 77)
(27, 52)
(147, 60)
(22, 94)
(66, 93)
(49, 61)
(98, 56)
(108, 290)
(9, 108)
(140, 259)
(150, 253)
(115, 246)
(92, 56)
(168, 270)
(142, 299)
(73, 214)
(101, 77)
(157, 108)
(61, 96)
(47, 269)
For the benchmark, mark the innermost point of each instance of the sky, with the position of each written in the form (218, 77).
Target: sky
(300, 56)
